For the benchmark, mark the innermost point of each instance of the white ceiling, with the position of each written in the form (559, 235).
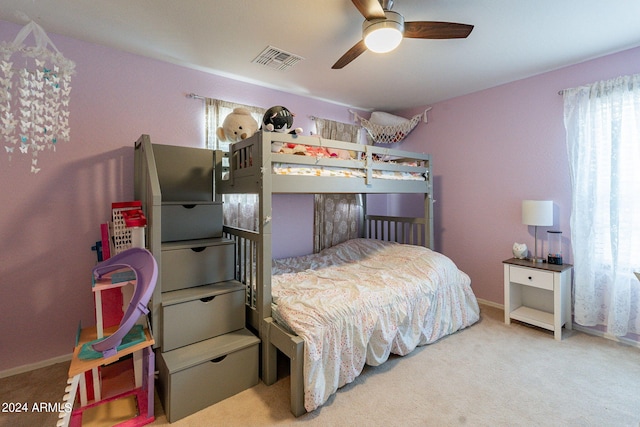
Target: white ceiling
(512, 39)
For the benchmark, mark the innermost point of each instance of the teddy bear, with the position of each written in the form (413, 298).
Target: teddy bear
(238, 125)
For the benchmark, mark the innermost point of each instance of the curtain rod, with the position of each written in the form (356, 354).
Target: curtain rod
(194, 96)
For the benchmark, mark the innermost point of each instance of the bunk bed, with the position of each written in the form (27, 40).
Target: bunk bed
(269, 163)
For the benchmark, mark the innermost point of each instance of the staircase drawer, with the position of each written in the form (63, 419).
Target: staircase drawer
(199, 375)
(196, 263)
(191, 221)
(203, 318)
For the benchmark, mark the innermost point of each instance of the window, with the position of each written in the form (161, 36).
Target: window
(603, 141)
(216, 111)
(240, 210)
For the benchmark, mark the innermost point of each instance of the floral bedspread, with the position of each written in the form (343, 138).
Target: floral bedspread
(361, 300)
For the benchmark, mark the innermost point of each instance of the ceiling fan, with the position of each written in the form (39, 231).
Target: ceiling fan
(388, 28)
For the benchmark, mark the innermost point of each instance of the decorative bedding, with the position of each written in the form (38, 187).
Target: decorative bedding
(363, 299)
(311, 150)
(331, 153)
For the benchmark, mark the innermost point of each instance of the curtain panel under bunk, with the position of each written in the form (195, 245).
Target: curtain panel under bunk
(336, 216)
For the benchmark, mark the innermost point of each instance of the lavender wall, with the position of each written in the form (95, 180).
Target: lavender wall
(50, 220)
(491, 150)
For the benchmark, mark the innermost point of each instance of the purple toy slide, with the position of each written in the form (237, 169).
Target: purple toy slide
(145, 267)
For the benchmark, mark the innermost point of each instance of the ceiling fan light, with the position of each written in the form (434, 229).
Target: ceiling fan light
(383, 35)
(383, 40)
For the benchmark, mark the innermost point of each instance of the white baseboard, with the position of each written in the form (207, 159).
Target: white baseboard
(601, 334)
(33, 366)
(490, 303)
(575, 326)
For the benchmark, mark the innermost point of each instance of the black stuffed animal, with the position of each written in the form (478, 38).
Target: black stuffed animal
(279, 119)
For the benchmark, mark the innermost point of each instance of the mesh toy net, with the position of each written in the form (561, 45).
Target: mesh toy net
(390, 133)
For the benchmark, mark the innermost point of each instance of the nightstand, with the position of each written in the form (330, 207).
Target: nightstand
(538, 294)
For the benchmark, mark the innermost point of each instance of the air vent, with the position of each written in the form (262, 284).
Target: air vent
(277, 59)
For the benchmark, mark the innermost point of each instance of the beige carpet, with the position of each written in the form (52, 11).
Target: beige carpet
(490, 374)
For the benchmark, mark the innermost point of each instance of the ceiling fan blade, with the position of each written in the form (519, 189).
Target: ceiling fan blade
(436, 30)
(351, 54)
(370, 9)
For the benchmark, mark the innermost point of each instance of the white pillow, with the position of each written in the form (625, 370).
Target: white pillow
(386, 119)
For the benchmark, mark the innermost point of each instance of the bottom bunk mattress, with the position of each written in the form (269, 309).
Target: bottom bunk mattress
(363, 299)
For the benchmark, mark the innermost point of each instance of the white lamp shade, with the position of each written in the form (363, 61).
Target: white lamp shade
(537, 212)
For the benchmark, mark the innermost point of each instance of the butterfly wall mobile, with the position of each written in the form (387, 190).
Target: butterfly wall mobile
(35, 88)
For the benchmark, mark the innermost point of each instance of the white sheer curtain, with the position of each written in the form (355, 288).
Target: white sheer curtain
(240, 210)
(335, 215)
(602, 124)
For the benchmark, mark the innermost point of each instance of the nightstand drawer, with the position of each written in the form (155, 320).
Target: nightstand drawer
(531, 277)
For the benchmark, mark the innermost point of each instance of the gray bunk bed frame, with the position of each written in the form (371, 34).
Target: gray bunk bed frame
(249, 171)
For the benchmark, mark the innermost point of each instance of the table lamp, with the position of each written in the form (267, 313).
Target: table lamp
(537, 213)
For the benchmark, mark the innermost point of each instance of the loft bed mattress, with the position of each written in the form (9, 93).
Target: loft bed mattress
(333, 171)
(363, 299)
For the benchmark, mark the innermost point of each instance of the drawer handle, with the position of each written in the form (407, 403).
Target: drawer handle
(530, 277)
(188, 206)
(218, 359)
(200, 249)
(207, 299)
